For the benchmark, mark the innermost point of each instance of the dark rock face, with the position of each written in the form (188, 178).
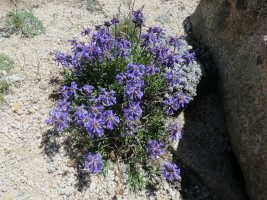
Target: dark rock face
(205, 148)
(236, 33)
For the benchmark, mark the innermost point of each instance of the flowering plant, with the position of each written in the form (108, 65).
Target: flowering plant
(117, 94)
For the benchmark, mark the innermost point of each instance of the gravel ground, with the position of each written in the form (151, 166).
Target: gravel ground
(34, 165)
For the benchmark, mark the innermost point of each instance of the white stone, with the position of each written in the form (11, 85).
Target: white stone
(13, 78)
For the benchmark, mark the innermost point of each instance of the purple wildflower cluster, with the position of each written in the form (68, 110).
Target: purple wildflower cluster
(155, 149)
(173, 104)
(60, 119)
(94, 163)
(93, 107)
(133, 93)
(102, 47)
(172, 78)
(170, 171)
(175, 131)
(188, 57)
(138, 18)
(133, 80)
(93, 117)
(153, 44)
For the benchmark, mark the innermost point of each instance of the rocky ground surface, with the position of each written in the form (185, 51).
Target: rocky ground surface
(34, 163)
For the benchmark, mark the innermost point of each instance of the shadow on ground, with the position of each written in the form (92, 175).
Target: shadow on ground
(51, 143)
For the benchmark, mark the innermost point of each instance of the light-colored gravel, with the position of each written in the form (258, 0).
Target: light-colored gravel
(26, 170)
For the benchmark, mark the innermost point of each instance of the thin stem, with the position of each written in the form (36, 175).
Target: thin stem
(180, 67)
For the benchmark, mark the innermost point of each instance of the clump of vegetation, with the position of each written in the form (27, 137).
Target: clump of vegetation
(3, 88)
(25, 23)
(120, 87)
(6, 63)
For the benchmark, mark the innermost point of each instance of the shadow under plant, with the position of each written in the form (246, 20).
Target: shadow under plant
(54, 143)
(204, 151)
(51, 144)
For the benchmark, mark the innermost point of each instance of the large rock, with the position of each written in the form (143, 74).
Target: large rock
(236, 33)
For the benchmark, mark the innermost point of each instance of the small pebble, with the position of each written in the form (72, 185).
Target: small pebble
(31, 110)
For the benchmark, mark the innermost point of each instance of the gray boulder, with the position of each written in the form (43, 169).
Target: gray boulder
(235, 32)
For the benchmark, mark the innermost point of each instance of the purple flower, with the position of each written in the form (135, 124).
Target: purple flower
(130, 129)
(121, 78)
(65, 92)
(175, 130)
(133, 93)
(86, 32)
(107, 98)
(93, 163)
(182, 99)
(172, 78)
(149, 39)
(65, 60)
(95, 127)
(103, 40)
(121, 41)
(73, 88)
(96, 109)
(133, 112)
(176, 42)
(135, 69)
(107, 55)
(115, 21)
(107, 23)
(158, 31)
(123, 47)
(161, 52)
(59, 119)
(151, 69)
(138, 18)
(98, 27)
(80, 113)
(64, 105)
(188, 57)
(111, 119)
(84, 120)
(73, 42)
(135, 81)
(88, 89)
(170, 171)
(91, 53)
(155, 149)
(170, 60)
(171, 105)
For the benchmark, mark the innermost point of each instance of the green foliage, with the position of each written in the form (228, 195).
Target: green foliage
(25, 23)
(6, 63)
(136, 179)
(3, 88)
(126, 26)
